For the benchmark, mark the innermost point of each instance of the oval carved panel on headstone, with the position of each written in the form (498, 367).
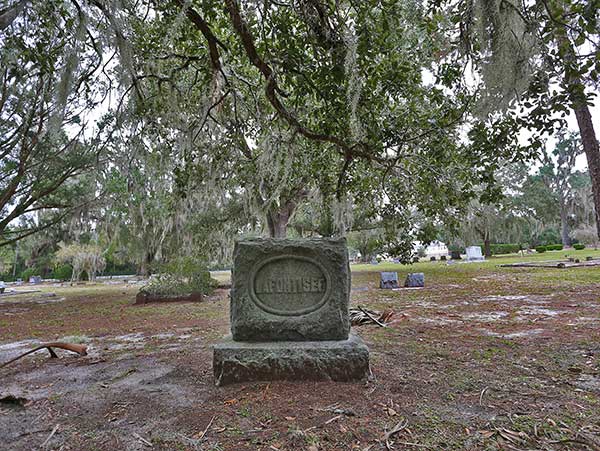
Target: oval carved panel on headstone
(290, 285)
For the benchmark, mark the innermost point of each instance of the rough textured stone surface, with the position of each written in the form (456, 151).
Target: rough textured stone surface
(341, 361)
(290, 290)
(415, 279)
(388, 280)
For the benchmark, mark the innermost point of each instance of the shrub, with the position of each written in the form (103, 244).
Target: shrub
(506, 248)
(579, 246)
(181, 276)
(25, 275)
(540, 249)
(62, 272)
(554, 247)
(457, 248)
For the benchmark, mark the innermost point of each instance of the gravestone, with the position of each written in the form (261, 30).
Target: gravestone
(415, 279)
(474, 253)
(35, 279)
(289, 314)
(388, 280)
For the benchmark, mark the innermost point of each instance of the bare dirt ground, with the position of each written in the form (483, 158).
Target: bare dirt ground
(483, 358)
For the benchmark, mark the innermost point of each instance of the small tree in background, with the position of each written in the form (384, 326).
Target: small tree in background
(82, 257)
(557, 174)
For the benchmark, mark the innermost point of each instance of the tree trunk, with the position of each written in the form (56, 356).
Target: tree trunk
(277, 220)
(144, 268)
(487, 248)
(564, 224)
(277, 223)
(576, 90)
(592, 153)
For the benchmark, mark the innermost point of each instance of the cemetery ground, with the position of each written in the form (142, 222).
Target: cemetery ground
(482, 358)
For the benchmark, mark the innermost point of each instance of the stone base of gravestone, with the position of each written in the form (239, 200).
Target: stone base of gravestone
(415, 279)
(339, 361)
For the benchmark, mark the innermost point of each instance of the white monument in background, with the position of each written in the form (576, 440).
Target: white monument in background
(474, 253)
(436, 249)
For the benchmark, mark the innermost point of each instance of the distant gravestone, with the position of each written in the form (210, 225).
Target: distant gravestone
(35, 279)
(374, 261)
(388, 280)
(474, 253)
(415, 279)
(455, 255)
(289, 314)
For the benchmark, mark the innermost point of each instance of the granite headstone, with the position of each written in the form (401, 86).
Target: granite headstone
(388, 280)
(289, 314)
(415, 279)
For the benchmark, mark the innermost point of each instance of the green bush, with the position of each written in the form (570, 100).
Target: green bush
(25, 275)
(548, 236)
(578, 246)
(181, 276)
(505, 248)
(540, 249)
(62, 272)
(554, 247)
(459, 249)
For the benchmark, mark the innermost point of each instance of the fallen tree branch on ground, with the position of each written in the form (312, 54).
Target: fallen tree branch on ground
(362, 315)
(79, 349)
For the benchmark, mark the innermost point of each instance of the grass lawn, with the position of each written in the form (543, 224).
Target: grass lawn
(482, 358)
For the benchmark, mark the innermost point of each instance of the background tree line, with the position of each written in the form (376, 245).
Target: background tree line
(143, 131)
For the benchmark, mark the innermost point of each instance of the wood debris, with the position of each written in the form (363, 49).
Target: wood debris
(361, 315)
(79, 349)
